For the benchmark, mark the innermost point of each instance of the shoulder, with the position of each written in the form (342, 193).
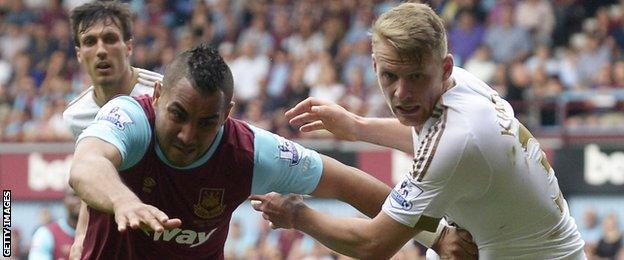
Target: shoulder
(86, 97)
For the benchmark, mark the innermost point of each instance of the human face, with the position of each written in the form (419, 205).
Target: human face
(104, 54)
(187, 121)
(410, 89)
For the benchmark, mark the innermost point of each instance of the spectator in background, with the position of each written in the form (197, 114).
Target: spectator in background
(507, 41)
(305, 41)
(481, 64)
(536, 17)
(258, 34)
(54, 240)
(465, 36)
(250, 70)
(328, 87)
(590, 229)
(593, 57)
(610, 244)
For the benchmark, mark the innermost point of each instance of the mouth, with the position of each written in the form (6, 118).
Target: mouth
(103, 67)
(183, 149)
(407, 109)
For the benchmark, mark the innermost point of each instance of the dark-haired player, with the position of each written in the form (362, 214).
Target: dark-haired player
(103, 42)
(145, 161)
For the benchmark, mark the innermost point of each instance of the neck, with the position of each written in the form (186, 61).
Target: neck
(104, 92)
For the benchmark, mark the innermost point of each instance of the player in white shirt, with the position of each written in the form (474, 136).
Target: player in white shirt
(474, 163)
(103, 43)
(82, 110)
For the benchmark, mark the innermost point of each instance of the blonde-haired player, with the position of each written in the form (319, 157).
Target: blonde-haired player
(474, 163)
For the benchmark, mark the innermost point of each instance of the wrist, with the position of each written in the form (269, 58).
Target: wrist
(299, 209)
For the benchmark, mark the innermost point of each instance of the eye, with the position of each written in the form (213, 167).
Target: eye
(88, 41)
(207, 122)
(388, 75)
(110, 38)
(416, 76)
(176, 115)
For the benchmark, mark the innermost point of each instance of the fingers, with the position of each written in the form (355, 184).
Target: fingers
(304, 106)
(172, 223)
(147, 218)
(316, 125)
(303, 118)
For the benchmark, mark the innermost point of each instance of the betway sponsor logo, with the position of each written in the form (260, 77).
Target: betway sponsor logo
(601, 167)
(44, 174)
(182, 236)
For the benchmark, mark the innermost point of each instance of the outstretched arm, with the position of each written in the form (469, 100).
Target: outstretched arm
(377, 238)
(315, 114)
(95, 179)
(352, 186)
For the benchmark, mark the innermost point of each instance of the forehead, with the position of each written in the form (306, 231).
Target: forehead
(387, 58)
(107, 25)
(185, 95)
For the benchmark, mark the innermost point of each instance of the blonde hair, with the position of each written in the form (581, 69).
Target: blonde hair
(414, 30)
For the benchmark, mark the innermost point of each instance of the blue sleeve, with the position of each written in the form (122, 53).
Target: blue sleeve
(122, 123)
(283, 166)
(42, 245)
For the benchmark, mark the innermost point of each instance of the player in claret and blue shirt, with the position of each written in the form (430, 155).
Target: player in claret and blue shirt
(174, 167)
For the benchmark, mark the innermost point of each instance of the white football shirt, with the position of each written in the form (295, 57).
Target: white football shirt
(476, 165)
(82, 110)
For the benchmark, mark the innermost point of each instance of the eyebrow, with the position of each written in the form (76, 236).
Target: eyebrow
(177, 105)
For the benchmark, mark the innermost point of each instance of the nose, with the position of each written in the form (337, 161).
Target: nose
(402, 91)
(187, 133)
(101, 51)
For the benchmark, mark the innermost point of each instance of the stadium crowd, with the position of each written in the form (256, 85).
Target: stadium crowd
(560, 63)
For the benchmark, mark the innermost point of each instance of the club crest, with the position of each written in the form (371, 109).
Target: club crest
(210, 204)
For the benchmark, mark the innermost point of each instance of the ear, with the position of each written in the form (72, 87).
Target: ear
(157, 92)
(374, 62)
(227, 110)
(77, 49)
(447, 66)
(129, 46)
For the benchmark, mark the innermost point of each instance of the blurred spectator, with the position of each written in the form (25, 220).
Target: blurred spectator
(507, 41)
(481, 64)
(465, 36)
(259, 34)
(305, 41)
(249, 70)
(54, 240)
(537, 17)
(610, 244)
(593, 57)
(590, 229)
(327, 87)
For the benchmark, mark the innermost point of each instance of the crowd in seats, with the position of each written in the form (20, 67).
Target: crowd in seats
(534, 52)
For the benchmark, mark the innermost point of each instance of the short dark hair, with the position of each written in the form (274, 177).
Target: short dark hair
(86, 15)
(204, 68)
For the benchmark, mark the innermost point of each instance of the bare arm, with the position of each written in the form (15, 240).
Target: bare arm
(352, 186)
(81, 229)
(315, 114)
(94, 177)
(377, 238)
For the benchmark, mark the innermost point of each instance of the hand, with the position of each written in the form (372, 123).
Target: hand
(136, 214)
(280, 210)
(455, 243)
(315, 114)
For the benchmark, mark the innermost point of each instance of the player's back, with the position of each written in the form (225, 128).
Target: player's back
(518, 208)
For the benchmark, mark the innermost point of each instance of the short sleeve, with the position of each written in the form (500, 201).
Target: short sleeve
(283, 166)
(440, 176)
(122, 123)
